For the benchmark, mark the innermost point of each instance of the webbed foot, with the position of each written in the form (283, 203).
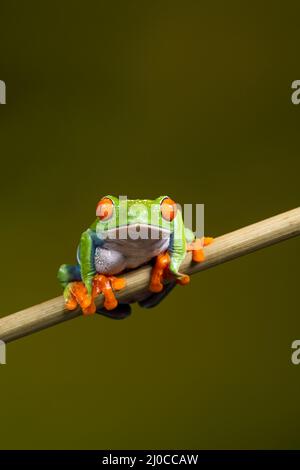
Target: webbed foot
(76, 293)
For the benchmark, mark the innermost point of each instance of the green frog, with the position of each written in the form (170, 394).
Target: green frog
(125, 235)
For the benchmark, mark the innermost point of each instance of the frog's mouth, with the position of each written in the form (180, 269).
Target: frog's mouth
(136, 232)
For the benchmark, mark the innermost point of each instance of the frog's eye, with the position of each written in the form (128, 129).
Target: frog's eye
(105, 209)
(168, 209)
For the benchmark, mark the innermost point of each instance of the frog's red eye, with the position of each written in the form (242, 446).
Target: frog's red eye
(168, 209)
(105, 209)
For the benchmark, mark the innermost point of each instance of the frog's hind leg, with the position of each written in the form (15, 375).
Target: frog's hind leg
(68, 273)
(154, 299)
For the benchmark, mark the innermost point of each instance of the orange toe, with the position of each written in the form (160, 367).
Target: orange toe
(198, 256)
(196, 247)
(183, 280)
(207, 240)
(90, 310)
(71, 303)
(118, 283)
(156, 286)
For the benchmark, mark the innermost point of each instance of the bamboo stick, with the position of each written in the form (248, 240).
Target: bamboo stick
(226, 247)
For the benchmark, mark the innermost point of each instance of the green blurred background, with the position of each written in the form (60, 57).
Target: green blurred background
(146, 98)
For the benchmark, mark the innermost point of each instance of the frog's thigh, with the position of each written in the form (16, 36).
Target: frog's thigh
(68, 273)
(109, 261)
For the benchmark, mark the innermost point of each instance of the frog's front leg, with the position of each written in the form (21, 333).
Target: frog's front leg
(76, 293)
(169, 263)
(159, 269)
(165, 264)
(96, 267)
(70, 276)
(79, 291)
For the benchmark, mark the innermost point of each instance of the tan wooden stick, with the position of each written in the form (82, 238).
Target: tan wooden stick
(224, 248)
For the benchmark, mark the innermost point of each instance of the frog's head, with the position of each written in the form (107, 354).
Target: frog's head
(124, 218)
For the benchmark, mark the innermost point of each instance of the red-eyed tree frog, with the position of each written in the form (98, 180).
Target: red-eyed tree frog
(125, 235)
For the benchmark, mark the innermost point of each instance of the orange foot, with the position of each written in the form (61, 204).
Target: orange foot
(197, 248)
(76, 293)
(161, 271)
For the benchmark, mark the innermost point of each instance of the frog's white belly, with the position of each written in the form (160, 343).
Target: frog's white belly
(116, 255)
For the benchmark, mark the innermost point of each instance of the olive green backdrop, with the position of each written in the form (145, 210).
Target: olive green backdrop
(146, 98)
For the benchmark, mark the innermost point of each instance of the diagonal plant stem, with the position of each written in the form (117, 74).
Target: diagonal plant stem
(227, 247)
